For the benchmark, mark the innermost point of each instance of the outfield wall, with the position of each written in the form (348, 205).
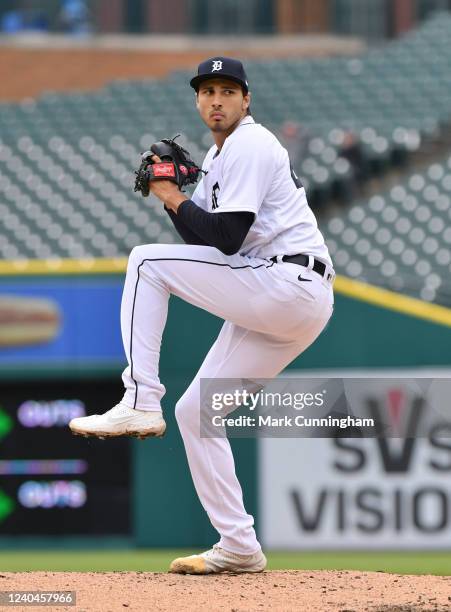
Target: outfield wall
(164, 510)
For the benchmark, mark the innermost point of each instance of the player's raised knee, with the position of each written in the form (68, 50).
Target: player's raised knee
(135, 253)
(149, 252)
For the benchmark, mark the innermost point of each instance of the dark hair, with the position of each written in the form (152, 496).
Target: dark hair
(248, 108)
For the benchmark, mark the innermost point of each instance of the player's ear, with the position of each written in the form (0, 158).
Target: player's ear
(197, 99)
(247, 100)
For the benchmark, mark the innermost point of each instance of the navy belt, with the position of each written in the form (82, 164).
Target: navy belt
(302, 260)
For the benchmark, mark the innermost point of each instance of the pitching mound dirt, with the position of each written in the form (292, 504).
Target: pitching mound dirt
(319, 591)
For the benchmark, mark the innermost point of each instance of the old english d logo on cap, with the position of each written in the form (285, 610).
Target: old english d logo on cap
(221, 67)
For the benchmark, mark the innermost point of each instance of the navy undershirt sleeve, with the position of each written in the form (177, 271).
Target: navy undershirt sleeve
(225, 231)
(184, 232)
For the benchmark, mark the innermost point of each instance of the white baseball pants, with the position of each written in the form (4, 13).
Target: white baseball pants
(270, 318)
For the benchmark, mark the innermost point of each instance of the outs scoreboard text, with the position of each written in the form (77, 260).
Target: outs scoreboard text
(52, 482)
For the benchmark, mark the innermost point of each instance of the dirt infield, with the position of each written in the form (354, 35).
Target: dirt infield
(315, 591)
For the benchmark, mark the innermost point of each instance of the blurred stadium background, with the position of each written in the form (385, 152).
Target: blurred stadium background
(359, 91)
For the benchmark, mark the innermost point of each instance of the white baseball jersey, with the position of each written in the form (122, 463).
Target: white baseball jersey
(252, 173)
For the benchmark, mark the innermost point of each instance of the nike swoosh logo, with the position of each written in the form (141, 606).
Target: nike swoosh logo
(304, 279)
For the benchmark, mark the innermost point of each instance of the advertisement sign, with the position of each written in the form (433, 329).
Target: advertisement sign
(350, 491)
(60, 321)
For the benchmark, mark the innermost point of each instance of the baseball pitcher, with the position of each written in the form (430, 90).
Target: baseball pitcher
(253, 255)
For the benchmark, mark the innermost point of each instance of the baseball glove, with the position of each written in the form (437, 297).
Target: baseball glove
(176, 165)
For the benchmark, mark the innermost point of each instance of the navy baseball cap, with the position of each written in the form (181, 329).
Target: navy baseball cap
(220, 67)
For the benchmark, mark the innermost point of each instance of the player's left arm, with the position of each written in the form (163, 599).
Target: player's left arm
(186, 234)
(226, 230)
(246, 178)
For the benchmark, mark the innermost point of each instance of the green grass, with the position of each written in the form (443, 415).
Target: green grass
(415, 562)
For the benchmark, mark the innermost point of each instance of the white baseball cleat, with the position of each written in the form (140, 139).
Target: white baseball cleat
(120, 421)
(218, 560)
